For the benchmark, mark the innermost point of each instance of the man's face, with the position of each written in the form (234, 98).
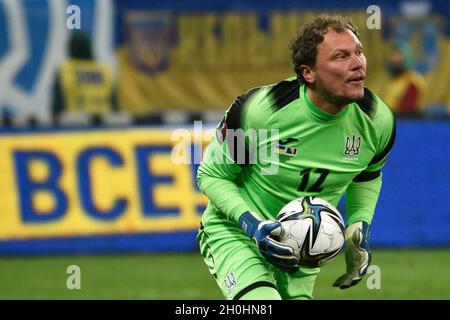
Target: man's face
(340, 67)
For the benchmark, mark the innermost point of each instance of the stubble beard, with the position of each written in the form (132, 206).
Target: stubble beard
(340, 101)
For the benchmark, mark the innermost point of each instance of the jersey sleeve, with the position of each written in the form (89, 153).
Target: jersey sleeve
(224, 160)
(361, 199)
(385, 126)
(362, 193)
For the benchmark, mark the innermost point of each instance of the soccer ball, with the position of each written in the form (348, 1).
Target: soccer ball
(314, 229)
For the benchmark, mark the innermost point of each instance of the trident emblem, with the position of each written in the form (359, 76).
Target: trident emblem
(230, 281)
(352, 146)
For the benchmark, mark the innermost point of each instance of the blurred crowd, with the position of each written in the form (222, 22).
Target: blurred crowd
(85, 90)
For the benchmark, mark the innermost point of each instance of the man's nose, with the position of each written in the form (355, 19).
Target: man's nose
(357, 62)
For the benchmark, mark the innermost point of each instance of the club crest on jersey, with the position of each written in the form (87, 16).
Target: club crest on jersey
(352, 146)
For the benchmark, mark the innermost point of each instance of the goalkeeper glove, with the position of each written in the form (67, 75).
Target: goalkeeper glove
(357, 255)
(278, 254)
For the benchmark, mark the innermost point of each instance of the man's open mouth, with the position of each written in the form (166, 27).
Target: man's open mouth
(357, 79)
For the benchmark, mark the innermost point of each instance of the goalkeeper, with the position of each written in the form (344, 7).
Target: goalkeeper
(332, 136)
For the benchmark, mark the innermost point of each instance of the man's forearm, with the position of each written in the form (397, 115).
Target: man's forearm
(225, 195)
(361, 199)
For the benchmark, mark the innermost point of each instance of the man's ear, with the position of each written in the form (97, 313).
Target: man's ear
(308, 73)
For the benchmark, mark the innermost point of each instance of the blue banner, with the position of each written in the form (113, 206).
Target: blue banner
(414, 208)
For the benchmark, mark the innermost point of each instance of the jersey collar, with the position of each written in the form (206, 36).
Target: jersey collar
(318, 113)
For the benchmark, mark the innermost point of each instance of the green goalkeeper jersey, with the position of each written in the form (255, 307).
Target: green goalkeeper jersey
(275, 145)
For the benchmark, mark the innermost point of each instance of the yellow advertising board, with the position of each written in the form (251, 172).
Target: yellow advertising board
(75, 183)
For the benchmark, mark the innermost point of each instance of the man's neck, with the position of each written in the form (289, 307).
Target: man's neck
(323, 103)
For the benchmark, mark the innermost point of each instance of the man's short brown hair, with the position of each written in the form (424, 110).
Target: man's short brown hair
(304, 44)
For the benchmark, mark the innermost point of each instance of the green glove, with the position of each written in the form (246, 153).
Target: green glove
(357, 255)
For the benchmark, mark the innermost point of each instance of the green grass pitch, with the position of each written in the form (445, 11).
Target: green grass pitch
(405, 274)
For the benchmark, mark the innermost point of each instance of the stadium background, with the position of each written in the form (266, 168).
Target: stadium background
(73, 193)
